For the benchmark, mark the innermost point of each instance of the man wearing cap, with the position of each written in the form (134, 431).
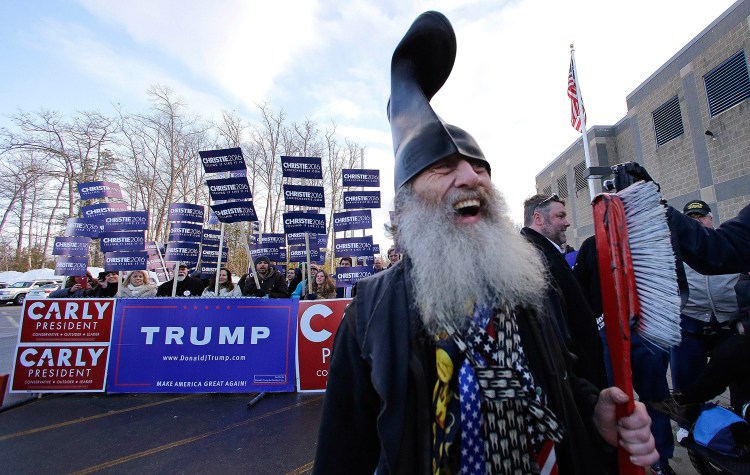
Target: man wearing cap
(436, 373)
(710, 309)
(186, 286)
(272, 282)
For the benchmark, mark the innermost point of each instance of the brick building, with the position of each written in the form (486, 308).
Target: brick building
(688, 124)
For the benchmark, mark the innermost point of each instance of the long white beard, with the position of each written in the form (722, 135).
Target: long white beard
(180, 278)
(456, 265)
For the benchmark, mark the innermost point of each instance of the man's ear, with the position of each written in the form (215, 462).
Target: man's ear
(538, 219)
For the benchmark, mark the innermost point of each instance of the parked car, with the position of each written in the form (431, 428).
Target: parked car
(42, 292)
(16, 292)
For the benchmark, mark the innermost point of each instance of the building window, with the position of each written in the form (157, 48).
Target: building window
(562, 186)
(580, 174)
(547, 190)
(668, 121)
(727, 84)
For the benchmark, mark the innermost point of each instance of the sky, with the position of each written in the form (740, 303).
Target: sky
(329, 60)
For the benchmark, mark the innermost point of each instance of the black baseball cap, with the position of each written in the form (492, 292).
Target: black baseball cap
(697, 207)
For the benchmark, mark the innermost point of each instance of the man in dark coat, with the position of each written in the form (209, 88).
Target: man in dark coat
(545, 222)
(186, 286)
(272, 282)
(436, 373)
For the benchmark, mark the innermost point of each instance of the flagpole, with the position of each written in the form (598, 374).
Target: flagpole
(582, 117)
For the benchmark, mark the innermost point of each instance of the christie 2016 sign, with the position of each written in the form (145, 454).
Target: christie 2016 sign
(206, 345)
(99, 189)
(63, 345)
(360, 177)
(215, 161)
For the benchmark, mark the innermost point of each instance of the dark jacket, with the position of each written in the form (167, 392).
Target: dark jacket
(104, 292)
(584, 341)
(273, 285)
(378, 406)
(189, 287)
(723, 250)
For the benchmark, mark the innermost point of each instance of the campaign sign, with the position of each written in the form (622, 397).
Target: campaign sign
(229, 189)
(301, 167)
(375, 249)
(60, 369)
(186, 232)
(360, 177)
(186, 212)
(182, 252)
(300, 222)
(216, 161)
(353, 247)
(350, 275)
(126, 221)
(99, 189)
(208, 270)
(218, 345)
(351, 220)
(211, 254)
(299, 238)
(153, 262)
(71, 246)
(102, 209)
(318, 322)
(154, 247)
(297, 253)
(321, 241)
(82, 227)
(270, 239)
(71, 265)
(123, 241)
(361, 199)
(235, 211)
(312, 196)
(271, 252)
(125, 261)
(66, 320)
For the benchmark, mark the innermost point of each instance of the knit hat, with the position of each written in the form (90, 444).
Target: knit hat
(263, 259)
(421, 64)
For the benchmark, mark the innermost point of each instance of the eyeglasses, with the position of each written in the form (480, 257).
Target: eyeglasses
(549, 199)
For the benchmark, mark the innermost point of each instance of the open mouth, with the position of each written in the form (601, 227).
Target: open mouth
(468, 207)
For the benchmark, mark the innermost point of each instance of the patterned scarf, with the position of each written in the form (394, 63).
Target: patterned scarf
(504, 420)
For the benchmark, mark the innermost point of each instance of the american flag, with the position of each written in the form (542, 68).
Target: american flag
(575, 117)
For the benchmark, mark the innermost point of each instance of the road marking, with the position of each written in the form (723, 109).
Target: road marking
(189, 440)
(90, 418)
(12, 321)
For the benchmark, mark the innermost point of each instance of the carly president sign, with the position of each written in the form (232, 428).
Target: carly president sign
(318, 322)
(202, 346)
(63, 345)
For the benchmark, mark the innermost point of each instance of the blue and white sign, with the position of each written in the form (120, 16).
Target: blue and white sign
(270, 239)
(211, 254)
(123, 241)
(301, 167)
(71, 246)
(235, 211)
(312, 196)
(375, 249)
(361, 199)
(186, 252)
(299, 238)
(154, 247)
(102, 209)
(360, 177)
(216, 161)
(99, 189)
(72, 266)
(187, 232)
(186, 212)
(229, 189)
(212, 219)
(300, 222)
(351, 220)
(321, 241)
(211, 238)
(125, 261)
(126, 221)
(272, 252)
(350, 275)
(80, 227)
(220, 346)
(153, 262)
(297, 253)
(353, 247)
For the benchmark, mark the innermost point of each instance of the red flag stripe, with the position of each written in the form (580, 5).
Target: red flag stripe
(575, 117)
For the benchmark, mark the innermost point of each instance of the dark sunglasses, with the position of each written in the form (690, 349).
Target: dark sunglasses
(549, 199)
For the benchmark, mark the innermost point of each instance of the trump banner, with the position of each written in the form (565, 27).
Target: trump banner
(186, 212)
(203, 346)
(318, 322)
(361, 199)
(82, 227)
(72, 266)
(351, 220)
(350, 275)
(217, 161)
(186, 232)
(301, 167)
(300, 222)
(101, 209)
(99, 189)
(63, 345)
(312, 196)
(360, 177)
(353, 247)
(125, 261)
(71, 246)
(229, 189)
(122, 241)
(126, 221)
(235, 211)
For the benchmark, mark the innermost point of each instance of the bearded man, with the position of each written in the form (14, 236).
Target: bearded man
(433, 374)
(186, 286)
